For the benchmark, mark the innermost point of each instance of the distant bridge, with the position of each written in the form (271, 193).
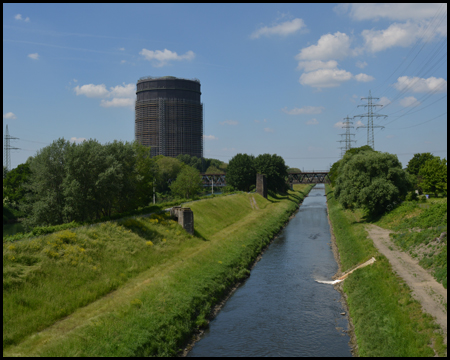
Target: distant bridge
(306, 177)
(309, 177)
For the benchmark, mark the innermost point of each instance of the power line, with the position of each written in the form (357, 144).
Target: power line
(348, 141)
(8, 148)
(420, 123)
(370, 115)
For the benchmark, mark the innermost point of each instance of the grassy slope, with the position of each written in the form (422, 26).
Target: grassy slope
(184, 277)
(428, 221)
(387, 320)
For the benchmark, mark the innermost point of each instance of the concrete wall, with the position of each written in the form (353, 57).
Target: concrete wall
(261, 185)
(185, 218)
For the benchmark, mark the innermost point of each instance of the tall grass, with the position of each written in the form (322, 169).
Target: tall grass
(387, 320)
(166, 281)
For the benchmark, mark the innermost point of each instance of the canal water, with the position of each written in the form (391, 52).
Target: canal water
(281, 310)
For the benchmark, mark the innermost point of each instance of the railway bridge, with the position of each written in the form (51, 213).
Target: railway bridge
(305, 177)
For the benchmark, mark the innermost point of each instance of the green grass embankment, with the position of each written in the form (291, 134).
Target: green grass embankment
(417, 226)
(165, 280)
(387, 320)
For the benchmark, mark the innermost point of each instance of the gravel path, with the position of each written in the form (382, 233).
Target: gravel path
(425, 288)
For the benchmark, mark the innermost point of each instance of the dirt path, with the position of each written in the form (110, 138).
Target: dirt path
(425, 288)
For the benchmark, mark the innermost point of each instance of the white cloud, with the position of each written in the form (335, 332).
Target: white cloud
(165, 56)
(392, 11)
(304, 110)
(9, 115)
(364, 77)
(384, 101)
(359, 123)
(122, 49)
(317, 64)
(361, 64)
(286, 28)
(92, 91)
(209, 137)
(123, 61)
(257, 121)
(19, 17)
(339, 124)
(34, 56)
(329, 46)
(395, 35)
(117, 102)
(269, 130)
(409, 101)
(122, 95)
(128, 90)
(77, 140)
(420, 85)
(312, 122)
(229, 122)
(323, 78)
(75, 80)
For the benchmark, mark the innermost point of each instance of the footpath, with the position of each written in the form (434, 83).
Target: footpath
(425, 289)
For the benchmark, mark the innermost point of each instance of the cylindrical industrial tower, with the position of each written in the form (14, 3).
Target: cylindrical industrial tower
(169, 116)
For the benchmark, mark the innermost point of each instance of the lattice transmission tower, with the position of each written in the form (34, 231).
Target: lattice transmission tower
(370, 115)
(8, 148)
(348, 136)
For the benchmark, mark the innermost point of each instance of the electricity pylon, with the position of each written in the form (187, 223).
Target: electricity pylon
(370, 115)
(348, 140)
(8, 148)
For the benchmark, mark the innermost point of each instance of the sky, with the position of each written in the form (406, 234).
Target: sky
(275, 78)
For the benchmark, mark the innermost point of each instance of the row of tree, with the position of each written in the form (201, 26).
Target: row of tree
(67, 181)
(376, 182)
(242, 170)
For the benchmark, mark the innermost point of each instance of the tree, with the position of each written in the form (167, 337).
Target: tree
(417, 162)
(241, 172)
(293, 170)
(188, 183)
(146, 172)
(373, 181)
(337, 166)
(275, 169)
(433, 174)
(45, 201)
(213, 170)
(14, 181)
(167, 168)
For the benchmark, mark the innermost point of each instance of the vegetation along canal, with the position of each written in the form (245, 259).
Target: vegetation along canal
(281, 310)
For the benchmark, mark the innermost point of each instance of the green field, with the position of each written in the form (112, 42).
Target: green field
(387, 320)
(136, 287)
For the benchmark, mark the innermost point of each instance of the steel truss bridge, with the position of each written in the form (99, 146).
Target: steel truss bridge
(307, 177)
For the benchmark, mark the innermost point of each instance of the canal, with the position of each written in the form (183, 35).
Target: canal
(281, 310)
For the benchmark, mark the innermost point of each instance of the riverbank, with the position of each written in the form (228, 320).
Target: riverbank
(160, 283)
(387, 320)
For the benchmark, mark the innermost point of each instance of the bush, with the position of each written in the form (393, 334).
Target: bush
(373, 181)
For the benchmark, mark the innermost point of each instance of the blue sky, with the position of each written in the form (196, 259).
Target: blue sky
(275, 78)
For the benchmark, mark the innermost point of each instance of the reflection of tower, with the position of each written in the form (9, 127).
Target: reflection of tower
(370, 115)
(348, 140)
(8, 148)
(169, 116)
